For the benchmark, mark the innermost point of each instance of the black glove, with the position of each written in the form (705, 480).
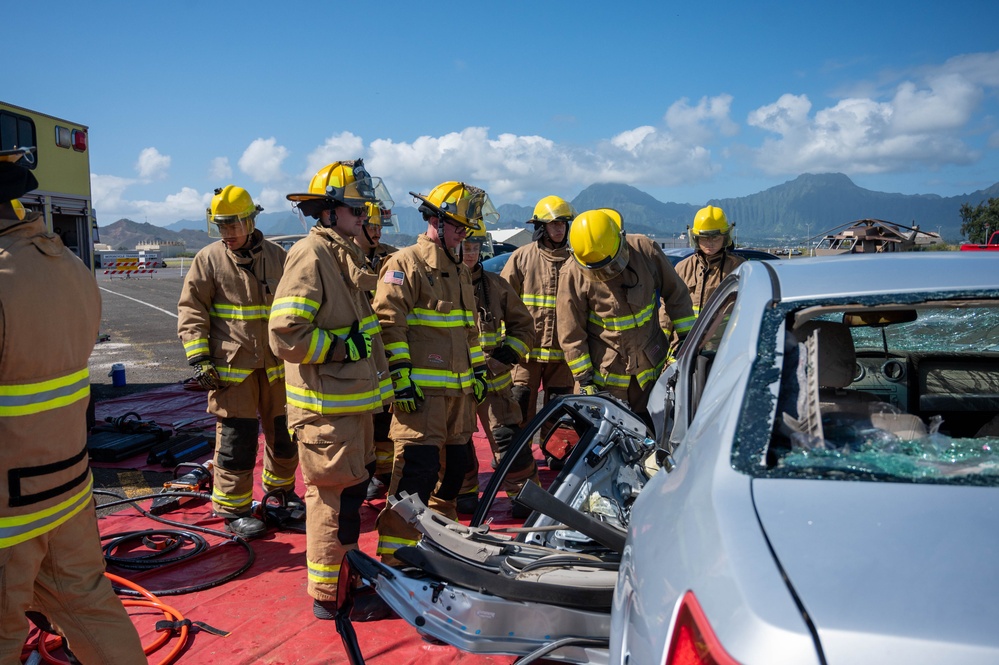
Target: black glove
(358, 344)
(479, 386)
(206, 374)
(506, 355)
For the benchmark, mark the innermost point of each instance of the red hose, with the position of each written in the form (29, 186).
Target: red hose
(148, 600)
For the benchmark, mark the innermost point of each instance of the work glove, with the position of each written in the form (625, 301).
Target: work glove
(358, 344)
(506, 355)
(588, 389)
(479, 385)
(206, 375)
(406, 392)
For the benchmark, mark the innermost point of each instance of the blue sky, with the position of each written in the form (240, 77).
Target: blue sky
(686, 101)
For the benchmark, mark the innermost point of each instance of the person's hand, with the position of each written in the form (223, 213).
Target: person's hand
(588, 389)
(479, 385)
(357, 343)
(506, 355)
(406, 392)
(206, 374)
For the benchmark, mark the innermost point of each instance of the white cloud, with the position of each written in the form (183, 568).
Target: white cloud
(697, 124)
(220, 169)
(343, 146)
(152, 165)
(918, 124)
(262, 160)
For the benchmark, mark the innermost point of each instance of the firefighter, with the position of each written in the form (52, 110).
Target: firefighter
(703, 271)
(222, 322)
(323, 327)
(426, 306)
(375, 251)
(51, 563)
(506, 333)
(607, 309)
(533, 272)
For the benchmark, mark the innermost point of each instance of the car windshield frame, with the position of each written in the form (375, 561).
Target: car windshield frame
(752, 451)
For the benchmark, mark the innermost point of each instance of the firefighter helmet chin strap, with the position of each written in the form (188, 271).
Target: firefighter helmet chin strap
(364, 230)
(440, 234)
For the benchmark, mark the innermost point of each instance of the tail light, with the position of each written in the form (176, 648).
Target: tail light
(693, 641)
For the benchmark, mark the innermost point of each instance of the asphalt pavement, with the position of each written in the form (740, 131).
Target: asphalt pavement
(138, 330)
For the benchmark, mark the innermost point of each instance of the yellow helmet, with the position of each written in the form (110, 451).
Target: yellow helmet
(597, 242)
(345, 182)
(462, 204)
(19, 211)
(478, 235)
(231, 205)
(709, 221)
(552, 208)
(379, 216)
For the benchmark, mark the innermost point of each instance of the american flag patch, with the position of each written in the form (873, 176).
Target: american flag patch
(396, 277)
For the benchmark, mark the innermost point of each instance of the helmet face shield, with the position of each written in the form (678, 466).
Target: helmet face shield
(229, 226)
(469, 210)
(366, 190)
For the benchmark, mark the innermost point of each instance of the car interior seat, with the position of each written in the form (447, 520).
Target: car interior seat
(837, 361)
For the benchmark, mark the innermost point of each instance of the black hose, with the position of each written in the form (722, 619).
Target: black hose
(178, 537)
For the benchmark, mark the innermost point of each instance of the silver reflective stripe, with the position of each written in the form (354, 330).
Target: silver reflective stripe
(19, 528)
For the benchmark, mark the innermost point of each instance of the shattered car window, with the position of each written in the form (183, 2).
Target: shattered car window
(892, 391)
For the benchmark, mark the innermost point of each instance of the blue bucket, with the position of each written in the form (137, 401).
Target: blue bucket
(117, 375)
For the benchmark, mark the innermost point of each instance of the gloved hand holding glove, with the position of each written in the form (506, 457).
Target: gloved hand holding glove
(588, 389)
(406, 392)
(479, 385)
(506, 355)
(206, 374)
(357, 343)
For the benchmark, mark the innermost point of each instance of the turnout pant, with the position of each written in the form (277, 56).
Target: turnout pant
(438, 430)
(60, 575)
(500, 416)
(243, 409)
(337, 457)
(529, 377)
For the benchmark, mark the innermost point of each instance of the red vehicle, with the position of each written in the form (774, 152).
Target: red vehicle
(991, 246)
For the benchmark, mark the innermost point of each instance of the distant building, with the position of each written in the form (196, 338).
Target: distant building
(165, 248)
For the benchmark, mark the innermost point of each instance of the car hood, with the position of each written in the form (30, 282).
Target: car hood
(889, 572)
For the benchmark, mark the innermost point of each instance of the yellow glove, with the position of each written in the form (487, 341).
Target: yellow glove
(206, 374)
(406, 392)
(479, 385)
(588, 389)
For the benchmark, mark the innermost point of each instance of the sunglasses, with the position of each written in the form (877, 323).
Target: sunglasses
(357, 211)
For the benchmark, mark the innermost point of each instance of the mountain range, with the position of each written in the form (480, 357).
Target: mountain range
(809, 204)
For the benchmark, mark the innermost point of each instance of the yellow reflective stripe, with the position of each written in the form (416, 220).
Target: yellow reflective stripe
(234, 501)
(323, 573)
(476, 355)
(270, 479)
(389, 544)
(543, 355)
(25, 399)
(368, 324)
(295, 306)
(516, 345)
(612, 380)
(581, 364)
(500, 382)
(684, 325)
(319, 345)
(331, 404)
(20, 528)
(627, 322)
(490, 339)
(397, 351)
(428, 317)
(233, 374)
(275, 373)
(441, 378)
(240, 312)
(196, 347)
(538, 300)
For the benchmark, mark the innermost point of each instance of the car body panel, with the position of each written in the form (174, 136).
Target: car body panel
(887, 555)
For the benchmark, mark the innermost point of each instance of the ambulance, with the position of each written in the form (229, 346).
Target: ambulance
(62, 167)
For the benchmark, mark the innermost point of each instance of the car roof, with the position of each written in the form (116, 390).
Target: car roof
(856, 274)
